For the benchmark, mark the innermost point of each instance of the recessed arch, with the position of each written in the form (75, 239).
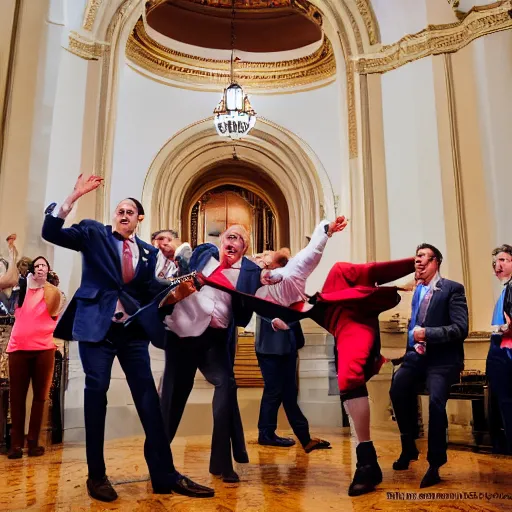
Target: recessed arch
(283, 158)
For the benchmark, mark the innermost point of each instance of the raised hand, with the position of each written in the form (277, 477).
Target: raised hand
(339, 224)
(85, 185)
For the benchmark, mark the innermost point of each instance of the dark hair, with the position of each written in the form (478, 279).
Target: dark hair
(140, 208)
(31, 268)
(437, 253)
(155, 234)
(502, 248)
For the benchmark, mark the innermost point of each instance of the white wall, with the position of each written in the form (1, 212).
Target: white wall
(400, 17)
(150, 113)
(493, 76)
(415, 199)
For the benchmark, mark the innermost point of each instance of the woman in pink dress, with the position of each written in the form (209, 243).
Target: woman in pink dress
(31, 352)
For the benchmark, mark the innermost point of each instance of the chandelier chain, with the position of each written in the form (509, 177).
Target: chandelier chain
(233, 40)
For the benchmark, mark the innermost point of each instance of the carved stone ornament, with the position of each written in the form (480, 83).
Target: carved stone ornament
(165, 62)
(438, 39)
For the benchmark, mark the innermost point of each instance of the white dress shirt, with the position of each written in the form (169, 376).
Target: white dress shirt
(208, 307)
(165, 268)
(291, 279)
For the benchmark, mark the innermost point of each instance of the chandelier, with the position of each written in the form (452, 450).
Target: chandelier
(234, 116)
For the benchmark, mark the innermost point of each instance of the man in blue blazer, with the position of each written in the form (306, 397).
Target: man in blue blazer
(118, 277)
(202, 335)
(435, 356)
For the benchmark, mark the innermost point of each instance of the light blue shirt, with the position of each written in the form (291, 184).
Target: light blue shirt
(419, 295)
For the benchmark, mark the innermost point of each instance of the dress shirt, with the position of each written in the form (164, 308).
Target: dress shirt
(208, 307)
(291, 280)
(165, 268)
(418, 297)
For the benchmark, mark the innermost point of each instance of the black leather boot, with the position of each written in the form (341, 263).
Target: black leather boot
(409, 453)
(368, 473)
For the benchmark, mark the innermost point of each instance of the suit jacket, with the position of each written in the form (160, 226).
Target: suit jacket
(446, 324)
(281, 342)
(90, 311)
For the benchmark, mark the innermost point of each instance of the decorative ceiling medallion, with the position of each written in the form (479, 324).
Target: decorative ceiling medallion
(438, 39)
(151, 56)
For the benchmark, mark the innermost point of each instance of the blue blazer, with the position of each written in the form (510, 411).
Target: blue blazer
(89, 314)
(280, 342)
(446, 324)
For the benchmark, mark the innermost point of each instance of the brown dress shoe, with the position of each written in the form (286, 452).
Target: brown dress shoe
(15, 453)
(34, 450)
(101, 489)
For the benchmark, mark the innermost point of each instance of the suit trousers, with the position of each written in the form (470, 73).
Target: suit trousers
(499, 373)
(25, 366)
(133, 355)
(208, 353)
(280, 377)
(413, 372)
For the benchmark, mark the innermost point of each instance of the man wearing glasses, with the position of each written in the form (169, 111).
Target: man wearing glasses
(118, 277)
(499, 358)
(202, 335)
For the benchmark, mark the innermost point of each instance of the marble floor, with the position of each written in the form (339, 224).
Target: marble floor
(276, 480)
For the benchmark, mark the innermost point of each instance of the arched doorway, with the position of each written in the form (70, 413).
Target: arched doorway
(235, 192)
(226, 205)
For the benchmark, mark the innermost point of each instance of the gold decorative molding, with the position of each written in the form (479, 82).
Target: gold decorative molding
(150, 55)
(370, 20)
(85, 48)
(458, 181)
(438, 39)
(91, 10)
(476, 336)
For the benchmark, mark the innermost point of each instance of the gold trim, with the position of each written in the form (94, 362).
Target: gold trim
(85, 48)
(370, 20)
(150, 55)
(458, 181)
(91, 10)
(438, 39)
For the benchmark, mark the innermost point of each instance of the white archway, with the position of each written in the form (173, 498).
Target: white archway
(286, 159)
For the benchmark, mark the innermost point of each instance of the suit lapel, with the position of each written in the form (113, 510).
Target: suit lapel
(436, 294)
(143, 256)
(114, 250)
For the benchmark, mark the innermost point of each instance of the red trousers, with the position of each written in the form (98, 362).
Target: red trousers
(353, 301)
(26, 366)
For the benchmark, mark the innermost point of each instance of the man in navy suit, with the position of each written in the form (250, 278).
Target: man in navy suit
(435, 355)
(118, 277)
(202, 334)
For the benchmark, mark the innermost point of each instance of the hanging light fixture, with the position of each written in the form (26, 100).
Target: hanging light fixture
(234, 116)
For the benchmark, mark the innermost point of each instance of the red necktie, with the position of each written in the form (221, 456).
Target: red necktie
(128, 270)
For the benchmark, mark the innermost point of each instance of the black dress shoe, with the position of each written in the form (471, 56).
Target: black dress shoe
(101, 489)
(230, 477)
(187, 487)
(282, 442)
(241, 458)
(431, 477)
(15, 453)
(402, 463)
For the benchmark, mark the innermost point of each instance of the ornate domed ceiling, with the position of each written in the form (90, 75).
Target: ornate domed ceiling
(279, 44)
(260, 26)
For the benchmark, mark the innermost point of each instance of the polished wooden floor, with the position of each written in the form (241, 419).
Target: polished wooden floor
(276, 480)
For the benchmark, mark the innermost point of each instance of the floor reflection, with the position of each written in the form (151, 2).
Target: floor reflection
(275, 480)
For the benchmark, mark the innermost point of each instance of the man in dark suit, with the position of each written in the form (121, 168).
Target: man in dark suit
(277, 352)
(202, 334)
(435, 355)
(118, 277)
